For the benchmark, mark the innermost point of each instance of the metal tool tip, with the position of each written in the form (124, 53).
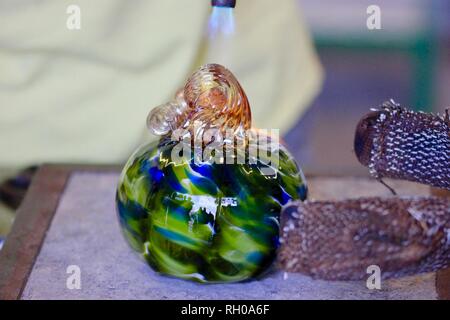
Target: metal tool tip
(223, 3)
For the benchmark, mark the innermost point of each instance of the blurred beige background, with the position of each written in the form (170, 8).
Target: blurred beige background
(82, 96)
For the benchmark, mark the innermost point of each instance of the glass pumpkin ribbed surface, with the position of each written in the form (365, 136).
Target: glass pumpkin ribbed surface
(204, 221)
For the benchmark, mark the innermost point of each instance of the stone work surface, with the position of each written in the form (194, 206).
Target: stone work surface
(85, 232)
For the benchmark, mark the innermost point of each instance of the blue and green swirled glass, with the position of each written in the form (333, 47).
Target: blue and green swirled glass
(204, 222)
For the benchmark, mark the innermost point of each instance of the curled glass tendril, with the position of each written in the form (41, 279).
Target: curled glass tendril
(211, 99)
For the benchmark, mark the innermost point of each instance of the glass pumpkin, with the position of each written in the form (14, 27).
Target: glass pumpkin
(205, 221)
